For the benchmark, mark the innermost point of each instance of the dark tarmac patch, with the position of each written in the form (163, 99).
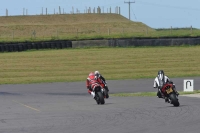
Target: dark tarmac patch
(7, 93)
(2, 121)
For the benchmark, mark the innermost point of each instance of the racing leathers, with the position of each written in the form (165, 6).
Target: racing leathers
(104, 85)
(158, 84)
(103, 81)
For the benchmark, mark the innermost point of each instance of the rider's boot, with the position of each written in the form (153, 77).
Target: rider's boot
(159, 95)
(107, 96)
(166, 100)
(93, 94)
(106, 88)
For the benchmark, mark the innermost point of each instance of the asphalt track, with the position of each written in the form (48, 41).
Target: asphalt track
(67, 108)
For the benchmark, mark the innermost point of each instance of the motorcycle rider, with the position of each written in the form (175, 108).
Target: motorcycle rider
(91, 81)
(98, 75)
(159, 81)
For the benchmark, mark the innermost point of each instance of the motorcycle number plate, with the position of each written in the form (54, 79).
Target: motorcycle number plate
(169, 90)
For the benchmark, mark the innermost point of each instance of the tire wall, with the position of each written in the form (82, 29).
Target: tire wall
(18, 47)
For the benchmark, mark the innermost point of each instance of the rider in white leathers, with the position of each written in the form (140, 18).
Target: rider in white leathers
(159, 81)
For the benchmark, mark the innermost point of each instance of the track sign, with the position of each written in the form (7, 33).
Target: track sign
(188, 85)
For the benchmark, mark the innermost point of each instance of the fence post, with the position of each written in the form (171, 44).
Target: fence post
(77, 33)
(59, 10)
(191, 29)
(42, 11)
(23, 11)
(6, 12)
(33, 34)
(116, 10)
(99, 10)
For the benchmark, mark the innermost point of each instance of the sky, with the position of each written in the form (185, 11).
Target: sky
(154, 13)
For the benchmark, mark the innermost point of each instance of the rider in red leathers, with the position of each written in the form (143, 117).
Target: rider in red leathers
(91, 82)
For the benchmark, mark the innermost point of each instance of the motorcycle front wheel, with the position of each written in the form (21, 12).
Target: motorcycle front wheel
(174, 100)
(100, 98)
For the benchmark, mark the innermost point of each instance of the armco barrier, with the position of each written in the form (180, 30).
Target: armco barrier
(153, 42)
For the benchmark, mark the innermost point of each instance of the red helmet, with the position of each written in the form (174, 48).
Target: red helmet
(91, 76)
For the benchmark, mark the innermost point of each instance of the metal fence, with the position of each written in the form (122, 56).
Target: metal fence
(69, 33)
(59, 10)
(43, 33)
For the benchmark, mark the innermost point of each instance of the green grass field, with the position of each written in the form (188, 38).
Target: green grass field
(68, 65)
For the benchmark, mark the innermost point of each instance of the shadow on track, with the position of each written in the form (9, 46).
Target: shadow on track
(7, 93)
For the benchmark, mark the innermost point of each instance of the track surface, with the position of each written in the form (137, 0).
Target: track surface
(67, 108)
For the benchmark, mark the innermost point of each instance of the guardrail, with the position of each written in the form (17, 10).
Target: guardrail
(137, 42)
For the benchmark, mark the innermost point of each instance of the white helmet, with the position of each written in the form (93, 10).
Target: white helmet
(96, 73)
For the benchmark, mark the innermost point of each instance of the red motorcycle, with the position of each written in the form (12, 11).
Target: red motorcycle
(170, 94)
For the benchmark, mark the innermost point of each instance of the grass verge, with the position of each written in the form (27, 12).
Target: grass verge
(67, 65)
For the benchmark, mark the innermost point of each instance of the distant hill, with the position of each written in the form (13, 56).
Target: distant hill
(48, 25)
(66, 19)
